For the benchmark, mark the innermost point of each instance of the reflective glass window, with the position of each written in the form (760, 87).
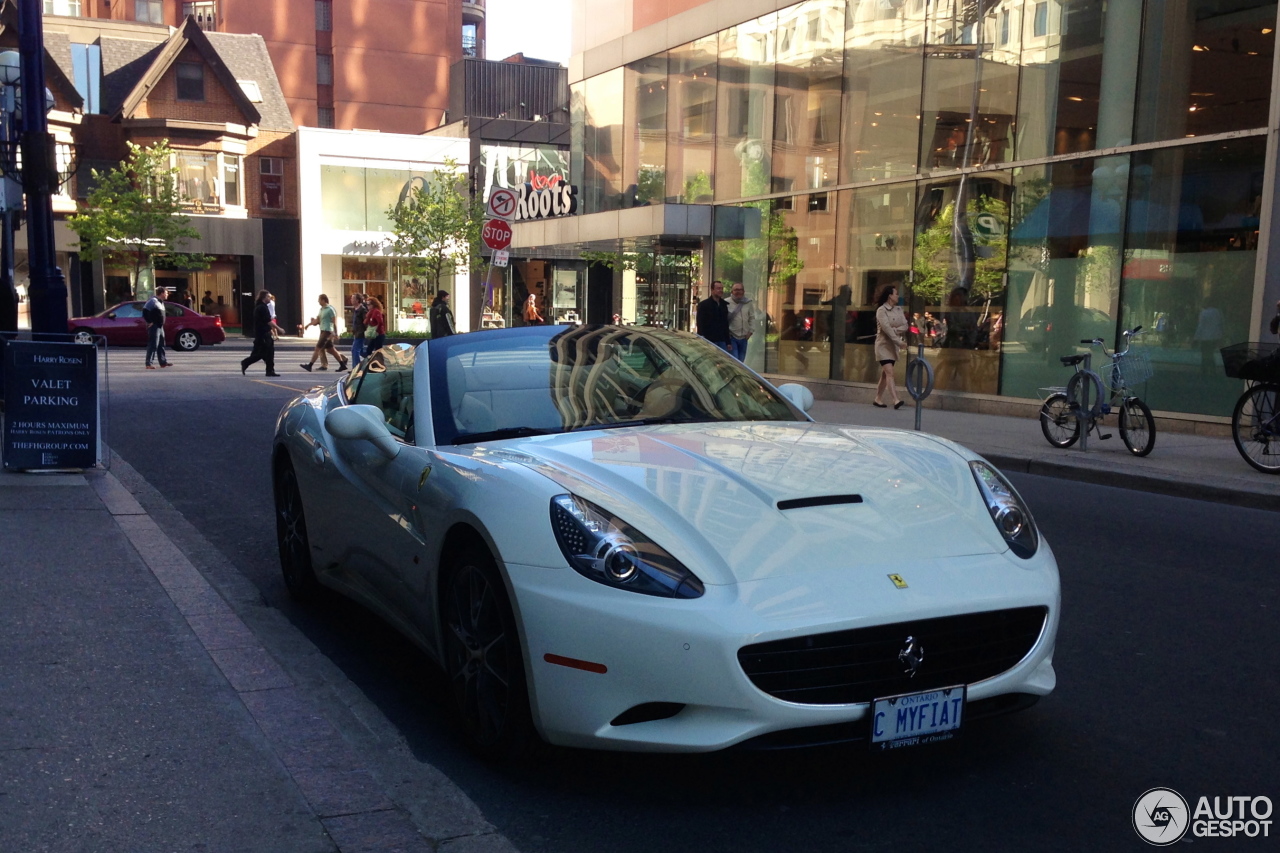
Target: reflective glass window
(873, 250)
(883, 68)
(602, 142)
(1206, 67)
(645, 149)
(691, 121)
(802, 271)
(807, 94)
(970, 90)
(961, 249)
(742, 256)
(1191, 242)
(745, 100)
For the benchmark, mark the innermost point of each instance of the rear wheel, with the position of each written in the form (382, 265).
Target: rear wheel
(187, 340)
(1255, 428)
(1058, 421)
(483, 659)
(291, 536)
(83, 336)
(1137, 427)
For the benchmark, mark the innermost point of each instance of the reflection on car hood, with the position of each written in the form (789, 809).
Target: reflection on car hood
(710, 494)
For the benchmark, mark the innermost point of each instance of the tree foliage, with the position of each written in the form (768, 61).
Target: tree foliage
(937, 263)
(437, 225)
(133, 217)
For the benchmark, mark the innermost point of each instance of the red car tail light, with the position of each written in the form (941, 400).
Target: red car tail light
(217, 321)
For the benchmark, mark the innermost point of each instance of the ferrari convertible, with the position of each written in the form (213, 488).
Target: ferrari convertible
(619, 537)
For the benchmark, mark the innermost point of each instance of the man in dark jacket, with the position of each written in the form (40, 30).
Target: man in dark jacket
(153, 314)
(713, 317)
(358, 311)
(441, 316)
(264, 342)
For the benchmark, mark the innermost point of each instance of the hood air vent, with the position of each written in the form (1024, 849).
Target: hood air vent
(825, 500)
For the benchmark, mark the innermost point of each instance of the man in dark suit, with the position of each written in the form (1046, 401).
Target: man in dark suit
(713, 317)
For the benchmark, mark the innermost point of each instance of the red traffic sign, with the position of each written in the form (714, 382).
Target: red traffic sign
(496, 234)
(502, 203)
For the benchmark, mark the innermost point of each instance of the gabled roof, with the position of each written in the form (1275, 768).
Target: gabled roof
(189, 34)
(249, 61)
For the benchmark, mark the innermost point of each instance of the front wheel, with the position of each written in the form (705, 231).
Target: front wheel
(83, 336)
(483, 659)
(1255, 428)
(1058, 421)
(187, 340)
(1137, 427)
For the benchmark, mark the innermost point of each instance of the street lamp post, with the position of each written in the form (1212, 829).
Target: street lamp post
(10, 188)
(47, 289)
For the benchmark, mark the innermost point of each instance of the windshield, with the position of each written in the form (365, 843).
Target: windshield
(546, 379)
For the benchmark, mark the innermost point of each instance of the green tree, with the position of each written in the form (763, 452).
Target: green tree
(437, 225)
(133, 217)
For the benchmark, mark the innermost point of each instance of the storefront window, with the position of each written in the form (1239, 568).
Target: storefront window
(873, 250)
(970, 92)
(802, 243)
(1190, 251)
(741, 255)
(1206, 67)
(231, 180)
(744, 142)
(882, 73)
(342, 197)
(602, 143)
(806, 110)
(957, 293)
(1064, 267)
(691, 121)
(645, 151)
(198, 177)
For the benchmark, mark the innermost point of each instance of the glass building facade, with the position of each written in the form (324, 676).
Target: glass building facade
(1027, 173)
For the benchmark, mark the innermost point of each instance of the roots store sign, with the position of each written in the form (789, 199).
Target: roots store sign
(536, 174)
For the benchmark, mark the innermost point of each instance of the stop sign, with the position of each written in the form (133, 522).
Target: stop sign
(496, 234)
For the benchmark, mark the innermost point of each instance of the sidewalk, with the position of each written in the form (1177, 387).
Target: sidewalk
(139, 713)
(1181, 464)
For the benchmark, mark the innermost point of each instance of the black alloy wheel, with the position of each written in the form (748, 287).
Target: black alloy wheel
(1058, 421)
(483, 659)
(1137, 427)
(291, 536)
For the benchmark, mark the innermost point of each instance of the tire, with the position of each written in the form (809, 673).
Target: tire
(83, 336)
(291, 536)
(1058, 421)
(1137, 427)
(1255, 430)
(483, 658)
(187, 340)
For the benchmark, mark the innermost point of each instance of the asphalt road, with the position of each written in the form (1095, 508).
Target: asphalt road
(1166, 668)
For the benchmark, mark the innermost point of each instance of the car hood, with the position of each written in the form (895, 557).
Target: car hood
(721, 497)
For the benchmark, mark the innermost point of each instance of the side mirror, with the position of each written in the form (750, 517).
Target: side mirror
(356, 422)
(111, 316)
(800, 396)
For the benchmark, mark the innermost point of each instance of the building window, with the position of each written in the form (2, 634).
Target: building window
(326, 118)
(148, 11)
(205, 13)
(470, 47)
(324, 69)
(1004, 27)
(197, 177)
(190, 81)
(66, 8)
(86, 65)
(324, 15)
(271, 174)
(231, 185)
(1040, 20)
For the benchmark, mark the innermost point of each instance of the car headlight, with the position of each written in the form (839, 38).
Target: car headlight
(1010, 514)
(606, 549)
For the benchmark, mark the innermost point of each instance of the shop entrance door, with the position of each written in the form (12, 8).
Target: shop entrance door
(664, 291)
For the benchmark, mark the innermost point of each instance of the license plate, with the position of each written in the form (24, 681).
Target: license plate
(911, 719)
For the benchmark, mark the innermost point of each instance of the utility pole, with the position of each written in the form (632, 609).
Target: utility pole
(47, 290)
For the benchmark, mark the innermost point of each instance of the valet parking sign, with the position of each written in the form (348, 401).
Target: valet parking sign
(51, 406)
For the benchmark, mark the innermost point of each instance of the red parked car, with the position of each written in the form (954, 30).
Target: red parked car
(123, 326)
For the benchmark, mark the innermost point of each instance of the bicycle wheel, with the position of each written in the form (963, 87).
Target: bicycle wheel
(1255, 428)
(1137, 427)
(1058, 421)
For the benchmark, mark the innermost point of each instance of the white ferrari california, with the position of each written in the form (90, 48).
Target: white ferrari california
(620, 537)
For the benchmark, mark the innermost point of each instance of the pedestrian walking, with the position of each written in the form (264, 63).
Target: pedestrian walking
(264, 335)
(359, 310)
(327, 320)
(891, 325)
(375, 333)
(713, 317)
(532, 316)
(742, 321)
(153, 313)
(441, 316)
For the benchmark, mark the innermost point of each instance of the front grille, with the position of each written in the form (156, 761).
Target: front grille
(859, 665)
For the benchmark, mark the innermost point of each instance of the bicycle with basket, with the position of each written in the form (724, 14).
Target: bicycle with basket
(1088, 397)
(1255, 422)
